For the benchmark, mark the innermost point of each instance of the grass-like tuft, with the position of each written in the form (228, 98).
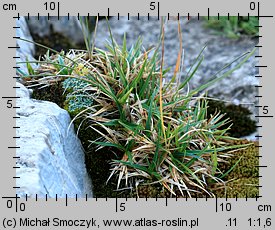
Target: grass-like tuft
(162, 132)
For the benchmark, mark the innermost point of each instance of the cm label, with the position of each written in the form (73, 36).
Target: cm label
(9, 6)
(264, 208)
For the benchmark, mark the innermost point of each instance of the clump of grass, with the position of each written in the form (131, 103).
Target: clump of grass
(161, 131)
(232, 27)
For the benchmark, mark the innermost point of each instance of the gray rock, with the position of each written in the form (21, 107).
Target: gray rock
(69, 28)
(27, 49)
(239, 88)
(51, 156)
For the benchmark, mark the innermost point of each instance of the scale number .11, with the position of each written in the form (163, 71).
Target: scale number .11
(231, 222)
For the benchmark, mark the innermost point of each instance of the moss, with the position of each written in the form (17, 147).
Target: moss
(243, 187)
(156, 190)
(246, 166)
(238, 115)
(53, 93)
(242, 181)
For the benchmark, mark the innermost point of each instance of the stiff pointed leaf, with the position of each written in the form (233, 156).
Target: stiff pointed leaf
(185, 168)
(125, 97)
(214, 159)
(131, 126)
(192, 74)
(138, 77)
(122, 75)
(132, 165)
(124, 45)
(109, 144)
(29, 68)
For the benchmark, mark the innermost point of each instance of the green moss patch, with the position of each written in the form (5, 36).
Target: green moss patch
(243, 179)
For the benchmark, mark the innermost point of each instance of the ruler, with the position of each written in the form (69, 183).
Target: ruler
(137, 213)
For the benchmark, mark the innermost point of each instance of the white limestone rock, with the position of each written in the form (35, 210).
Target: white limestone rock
(27, 49)
(69, 28)
(51, 156)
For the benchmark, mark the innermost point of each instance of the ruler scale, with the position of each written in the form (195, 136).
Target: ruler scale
(137, 213)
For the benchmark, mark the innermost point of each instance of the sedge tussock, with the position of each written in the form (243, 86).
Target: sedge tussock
(161, 131)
